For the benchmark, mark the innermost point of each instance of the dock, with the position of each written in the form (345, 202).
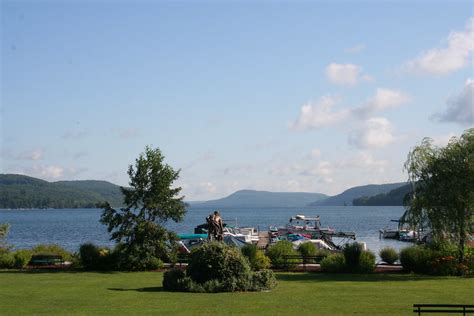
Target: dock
(263, 240)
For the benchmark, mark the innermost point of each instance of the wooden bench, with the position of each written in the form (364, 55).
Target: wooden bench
(298, 259)
(45, 260)
(443, 308)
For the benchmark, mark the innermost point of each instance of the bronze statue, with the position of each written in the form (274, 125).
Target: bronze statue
(215, 229)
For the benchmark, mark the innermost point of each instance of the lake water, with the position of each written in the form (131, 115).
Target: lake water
(72, 227)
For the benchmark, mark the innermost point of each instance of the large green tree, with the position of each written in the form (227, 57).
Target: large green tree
(150, 202)
(443, 182)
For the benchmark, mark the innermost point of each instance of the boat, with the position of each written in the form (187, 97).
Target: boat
(309, 229)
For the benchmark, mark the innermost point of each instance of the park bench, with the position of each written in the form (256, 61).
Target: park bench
(443, 308)
(298, 259)
(46, 260)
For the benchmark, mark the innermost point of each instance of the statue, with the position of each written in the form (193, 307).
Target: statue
(215, 229)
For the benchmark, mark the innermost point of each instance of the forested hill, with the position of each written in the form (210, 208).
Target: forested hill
(346, 197)
(19, 191)
(252, 198)
(394, 197)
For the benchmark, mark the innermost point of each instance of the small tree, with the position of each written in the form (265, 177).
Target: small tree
(150, 201)
(443, 182)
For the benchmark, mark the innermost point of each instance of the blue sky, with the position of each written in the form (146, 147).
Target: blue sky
(295, 96)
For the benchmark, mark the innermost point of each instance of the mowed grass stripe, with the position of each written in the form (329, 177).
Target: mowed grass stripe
(84, 293)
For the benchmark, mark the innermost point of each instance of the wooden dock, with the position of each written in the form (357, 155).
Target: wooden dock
(263, 240)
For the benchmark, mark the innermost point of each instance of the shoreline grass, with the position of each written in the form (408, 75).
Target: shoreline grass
(120, 293)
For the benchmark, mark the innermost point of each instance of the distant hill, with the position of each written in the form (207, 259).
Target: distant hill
(19, 191)
(346, 197)
(394, 197)
(251, 198)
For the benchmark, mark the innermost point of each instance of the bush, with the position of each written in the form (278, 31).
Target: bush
(52, 249)
(366, 262)
(417, 259)
(155, 264)
(262, 262)
(172, 280)
(216, 267)
(22, 258)
(389, 255)
(263, 280)
(277, 252)
(307, 249)
(96, 258)
(7, 260)
(334, 263)
(217, 261)
(257, 259)
(352, 253)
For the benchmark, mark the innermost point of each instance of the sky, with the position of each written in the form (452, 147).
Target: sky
(315, 96)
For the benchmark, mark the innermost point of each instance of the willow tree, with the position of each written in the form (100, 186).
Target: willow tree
(443, 188)
(150, 201)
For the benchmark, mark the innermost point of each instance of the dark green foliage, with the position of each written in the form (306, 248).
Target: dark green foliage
(216, 267)
(151, 201)
(394, 197)
(217, 261)
(22, 258)
(334, 263)
(277, 252)
(389, 255)
(18, 191)
(4, 228)
(263, 280)
(307, 249)
(352, 254)
(94, 258)
(52, 249)
(173, 280)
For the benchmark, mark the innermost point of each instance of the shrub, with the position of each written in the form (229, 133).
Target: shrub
(352, 253)
(52, 249)
(277, 252)
(307, 249)
(155, 264)
(366, 262)
(97, 258)
(389, 255)
(216, 267)
(22, 258)
(217, 261)
(172, 280)
(334, 263)
(90, 256)
(7, 260)
(257, 258)
(263, 280)
(261, 262)
(416, 259)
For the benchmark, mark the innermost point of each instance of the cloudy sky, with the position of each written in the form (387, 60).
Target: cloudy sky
(298, 96)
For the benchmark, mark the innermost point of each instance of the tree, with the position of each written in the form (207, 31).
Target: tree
(150, 202)
(4, 228)
(443, 188)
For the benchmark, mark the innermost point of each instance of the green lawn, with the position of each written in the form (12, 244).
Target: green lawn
(296, 294)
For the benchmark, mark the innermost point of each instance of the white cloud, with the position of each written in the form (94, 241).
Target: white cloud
(373, 133)
(456, 54)
(355, 49)
(443, 140)
(460, 108)
(320, 114)
(382, 100)
(345, 74)
(35, 154)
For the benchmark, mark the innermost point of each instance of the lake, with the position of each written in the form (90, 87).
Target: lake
(72, 227)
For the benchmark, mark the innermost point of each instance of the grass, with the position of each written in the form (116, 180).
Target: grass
(81, 293)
